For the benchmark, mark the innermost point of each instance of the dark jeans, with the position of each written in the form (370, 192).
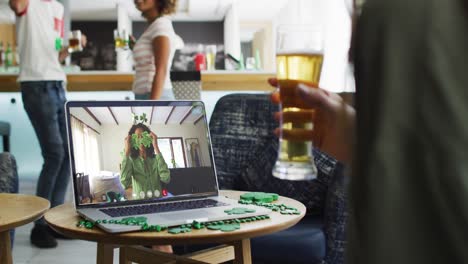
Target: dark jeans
(44, 103)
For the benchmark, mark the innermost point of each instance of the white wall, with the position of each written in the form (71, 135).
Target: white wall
(232, 44)
(6, 15)
(112, 141)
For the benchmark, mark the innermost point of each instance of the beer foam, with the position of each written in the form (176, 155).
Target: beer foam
(307, 52)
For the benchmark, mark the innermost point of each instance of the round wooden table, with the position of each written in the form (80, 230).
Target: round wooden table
(17, 210)
(64, 218)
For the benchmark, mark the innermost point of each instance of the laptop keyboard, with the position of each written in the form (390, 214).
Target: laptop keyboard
(161, 208)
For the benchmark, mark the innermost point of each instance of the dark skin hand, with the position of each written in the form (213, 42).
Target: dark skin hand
(332, 118)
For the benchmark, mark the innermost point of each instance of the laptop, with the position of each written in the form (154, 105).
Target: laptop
(144, 158)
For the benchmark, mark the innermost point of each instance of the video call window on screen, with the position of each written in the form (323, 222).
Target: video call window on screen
(131, 153)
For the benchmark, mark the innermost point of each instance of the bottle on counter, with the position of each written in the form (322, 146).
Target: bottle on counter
(258, 61)
(8, 56)
(17, 56)
(200, 59)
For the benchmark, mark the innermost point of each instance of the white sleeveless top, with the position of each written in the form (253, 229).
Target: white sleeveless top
(144, 56)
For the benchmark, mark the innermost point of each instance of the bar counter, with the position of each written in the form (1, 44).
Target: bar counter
(122, 81)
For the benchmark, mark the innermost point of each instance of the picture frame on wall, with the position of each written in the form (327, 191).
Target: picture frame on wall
(194, 156)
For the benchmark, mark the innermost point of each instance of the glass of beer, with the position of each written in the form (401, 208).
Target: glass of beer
(121, 39)
(211, 57)
(299, 59)
(74, 41)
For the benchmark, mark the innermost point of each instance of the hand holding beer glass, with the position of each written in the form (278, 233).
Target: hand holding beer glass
(121, 39)
(299, 60)
(75, 41)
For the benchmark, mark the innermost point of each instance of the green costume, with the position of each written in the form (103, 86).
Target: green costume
(409, 187)
(144, 175)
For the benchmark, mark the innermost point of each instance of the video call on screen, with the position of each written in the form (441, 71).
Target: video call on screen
(123, 153)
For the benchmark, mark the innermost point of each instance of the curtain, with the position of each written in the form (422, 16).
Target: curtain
(85, 148)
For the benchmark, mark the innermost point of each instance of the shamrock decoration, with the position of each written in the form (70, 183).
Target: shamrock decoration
(141, 118)
(146, 140)
(135, 118)
(178, 230)
(239, 210)
(259, 197)
(225, 227)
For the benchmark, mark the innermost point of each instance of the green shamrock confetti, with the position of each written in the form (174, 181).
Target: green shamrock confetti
(139, 118)
(178, 230)
(239, 210)
(225, 227)
(259, 197)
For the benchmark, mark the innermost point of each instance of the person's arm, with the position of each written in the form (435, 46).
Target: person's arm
(162, 168)
(161, 50)
(126, 169)
(63, 53)
(161, 165)
(126, 173)
(19, 6)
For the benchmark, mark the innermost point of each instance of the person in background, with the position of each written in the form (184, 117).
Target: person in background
(409, 181)
(154, 50)
(143, 168)
(40, 26)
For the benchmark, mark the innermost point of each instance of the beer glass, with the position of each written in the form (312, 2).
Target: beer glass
(299, 59)
(74, 41)
(121, 39)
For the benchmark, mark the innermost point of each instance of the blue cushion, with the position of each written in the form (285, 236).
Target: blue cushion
(302, 243)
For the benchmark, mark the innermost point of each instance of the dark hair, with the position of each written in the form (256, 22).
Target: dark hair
(135, 153)
(166, 7)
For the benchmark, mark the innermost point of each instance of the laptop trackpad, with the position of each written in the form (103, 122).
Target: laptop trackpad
(199, 214)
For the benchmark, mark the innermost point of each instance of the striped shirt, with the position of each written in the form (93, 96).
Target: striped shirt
(144, 56)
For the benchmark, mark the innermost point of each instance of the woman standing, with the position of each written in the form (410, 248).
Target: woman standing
(154, 51)
(143, 168)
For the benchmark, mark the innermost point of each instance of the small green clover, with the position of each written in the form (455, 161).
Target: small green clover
(239, 210)
(178, 230)
(135, 118)
(136, 141)
(143, 118)
(259, 197)
(225, 227)
(146, 139)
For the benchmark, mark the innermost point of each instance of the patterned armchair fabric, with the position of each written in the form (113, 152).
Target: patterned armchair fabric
(245, 150)
(8, 177)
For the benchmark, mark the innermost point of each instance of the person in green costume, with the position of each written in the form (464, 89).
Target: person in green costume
(143, 167)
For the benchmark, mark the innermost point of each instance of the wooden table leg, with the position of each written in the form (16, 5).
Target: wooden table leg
(5, 248)
(242, 252)
(105, 254)
(123, 256)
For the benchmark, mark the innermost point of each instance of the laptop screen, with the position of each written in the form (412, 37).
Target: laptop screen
(134, 151)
